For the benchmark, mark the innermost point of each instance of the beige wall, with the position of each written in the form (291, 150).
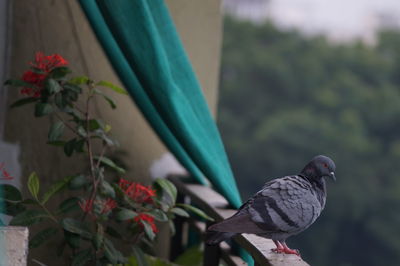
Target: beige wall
(60, 27)
(200, 26)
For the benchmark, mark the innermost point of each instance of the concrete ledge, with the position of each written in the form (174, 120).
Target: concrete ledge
(14, 245)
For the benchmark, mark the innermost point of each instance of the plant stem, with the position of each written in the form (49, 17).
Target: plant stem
(88, 140)
(101, 156)
(66, 124)
(52, 217)
(79, 109)
(89, 148)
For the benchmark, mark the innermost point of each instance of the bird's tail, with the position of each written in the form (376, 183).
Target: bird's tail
(214, 237)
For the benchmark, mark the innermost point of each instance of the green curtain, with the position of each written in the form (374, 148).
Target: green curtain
(142, 44)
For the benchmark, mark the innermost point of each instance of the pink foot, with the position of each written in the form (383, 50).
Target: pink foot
(287, 250)
(279, 248)
(283, 248)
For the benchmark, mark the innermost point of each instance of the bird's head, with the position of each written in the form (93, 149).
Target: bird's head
(320, 166)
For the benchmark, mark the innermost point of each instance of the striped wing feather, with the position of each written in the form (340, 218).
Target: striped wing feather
(241, 223)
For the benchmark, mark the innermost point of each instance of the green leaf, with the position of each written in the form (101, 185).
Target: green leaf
(56, 187)
(73, 112)
(69, 96)
(139, 257)
(78, 182)
(73, 240)
(82, 257)
(52, 86)
(72, 87)
(95, 124)
(42, 109)
(125, 214)
(17, 83)
(180, 212)
(107, 98)
(109, 85)
(29, 217)
(110, 163)
(98, 237)
(158, 215)
(113, 255)
(101, 134)
(56, 131)
(107, 189)
(107, 128)
(77, 227)
(118, 190)
(172, 227)
(9, 192)
(168, 187)
(59, 101)
(192, 256)
(11, 208)
(79, 80)
(79, 145)
(70, 204)
(98, 241)
(64, 101)
(112, 232)
(23, 102)
(33, 184)
(69, 147)
(59, 72)
(196, 211)
(82, 132)
(165, 206)
(42, 237)
(37, 70)
(148, 230)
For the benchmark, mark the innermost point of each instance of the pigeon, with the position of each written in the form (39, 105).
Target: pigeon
(284, 207)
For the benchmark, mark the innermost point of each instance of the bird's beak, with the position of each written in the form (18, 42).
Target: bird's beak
(332, 175)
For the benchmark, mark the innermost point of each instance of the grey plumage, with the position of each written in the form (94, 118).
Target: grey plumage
(283, 207)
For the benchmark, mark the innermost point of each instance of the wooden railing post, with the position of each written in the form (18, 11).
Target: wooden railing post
(212, 254)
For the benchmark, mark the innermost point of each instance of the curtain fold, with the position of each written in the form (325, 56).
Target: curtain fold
(144, 48)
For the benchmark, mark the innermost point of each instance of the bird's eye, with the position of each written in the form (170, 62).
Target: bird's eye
(325, 165)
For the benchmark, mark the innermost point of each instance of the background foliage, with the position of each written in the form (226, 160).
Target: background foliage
(286, 97)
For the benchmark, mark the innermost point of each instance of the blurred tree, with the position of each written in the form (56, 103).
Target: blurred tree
(286, 97)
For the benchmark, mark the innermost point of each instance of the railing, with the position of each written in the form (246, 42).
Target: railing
(216, 206)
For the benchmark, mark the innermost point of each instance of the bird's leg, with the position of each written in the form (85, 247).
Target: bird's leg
(279, 248)
(287, 250)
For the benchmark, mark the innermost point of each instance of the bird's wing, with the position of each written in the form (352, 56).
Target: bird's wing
(237, 224)
(286, 204)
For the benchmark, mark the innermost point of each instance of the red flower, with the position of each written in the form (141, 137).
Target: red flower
(108, 205)
(35, 79)
(49, 62)
(86, 205)
(137, 192)
(97, 206)
(43, 65)
(147, 218)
